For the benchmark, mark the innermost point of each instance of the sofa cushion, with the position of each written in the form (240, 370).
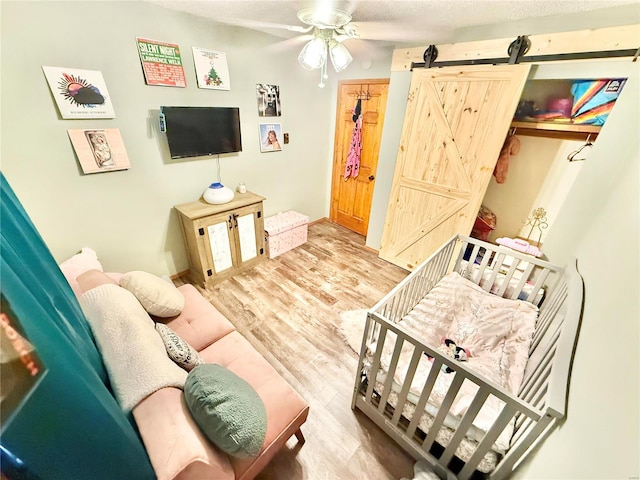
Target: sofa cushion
(178, 350)
(284, 405)
(157, 296)
(200, 324)
(81, 262)
(92, 279)
(177, 448)
(227, 409)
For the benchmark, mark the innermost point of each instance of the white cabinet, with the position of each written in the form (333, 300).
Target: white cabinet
(223, 240)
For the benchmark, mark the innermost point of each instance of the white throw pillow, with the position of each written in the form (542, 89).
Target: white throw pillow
(158, 297)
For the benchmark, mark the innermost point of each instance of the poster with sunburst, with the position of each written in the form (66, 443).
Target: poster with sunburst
(79, 93)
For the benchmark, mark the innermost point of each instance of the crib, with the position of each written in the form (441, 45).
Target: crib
(400, 374)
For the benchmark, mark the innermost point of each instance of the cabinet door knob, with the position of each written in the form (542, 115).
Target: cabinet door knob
(371, 177)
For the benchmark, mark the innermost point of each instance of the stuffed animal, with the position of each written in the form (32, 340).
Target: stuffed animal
(451, 350)
(511, 147)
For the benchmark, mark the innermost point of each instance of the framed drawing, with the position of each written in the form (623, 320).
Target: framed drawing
(79, 93)
(212, 71)
(270, 137)
(99, 150)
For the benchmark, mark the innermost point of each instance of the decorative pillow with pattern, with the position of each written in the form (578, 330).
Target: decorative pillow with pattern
(178, 350)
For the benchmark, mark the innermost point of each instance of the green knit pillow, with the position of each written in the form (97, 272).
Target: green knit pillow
(227, 409)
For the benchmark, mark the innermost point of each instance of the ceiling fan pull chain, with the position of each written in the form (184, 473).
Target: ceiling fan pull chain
(323, 74)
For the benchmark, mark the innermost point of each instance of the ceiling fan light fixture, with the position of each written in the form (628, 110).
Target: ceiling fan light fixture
(313, 54)
(340, 56)
(324, 16)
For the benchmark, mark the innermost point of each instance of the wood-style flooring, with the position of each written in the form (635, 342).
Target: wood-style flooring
(289, 309)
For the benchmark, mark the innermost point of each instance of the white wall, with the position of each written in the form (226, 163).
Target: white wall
(127, 216)
(599, 225)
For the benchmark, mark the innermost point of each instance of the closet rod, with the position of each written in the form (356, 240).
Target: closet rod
(530, 59)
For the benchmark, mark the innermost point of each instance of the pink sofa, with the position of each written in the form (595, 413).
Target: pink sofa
(175, 444)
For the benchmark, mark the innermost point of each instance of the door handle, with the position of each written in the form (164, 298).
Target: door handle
(371, 177)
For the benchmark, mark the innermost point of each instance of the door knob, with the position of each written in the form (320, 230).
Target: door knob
(371, 177)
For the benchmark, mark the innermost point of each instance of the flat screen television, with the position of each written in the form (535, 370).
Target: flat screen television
(199, 131)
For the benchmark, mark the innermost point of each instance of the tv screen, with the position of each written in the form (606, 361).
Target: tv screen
(198, 131)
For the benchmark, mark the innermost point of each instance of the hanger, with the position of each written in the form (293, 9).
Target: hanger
(364, 95)
(572, 156)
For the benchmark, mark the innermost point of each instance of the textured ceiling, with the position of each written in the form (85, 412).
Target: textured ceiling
(387, 22)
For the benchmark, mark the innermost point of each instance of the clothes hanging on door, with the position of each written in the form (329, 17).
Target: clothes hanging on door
(352, 169)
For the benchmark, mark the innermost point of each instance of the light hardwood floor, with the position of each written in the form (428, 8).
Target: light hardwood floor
(289, 309)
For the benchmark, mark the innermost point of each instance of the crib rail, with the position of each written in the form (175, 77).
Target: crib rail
(541, 401)
(373, 400)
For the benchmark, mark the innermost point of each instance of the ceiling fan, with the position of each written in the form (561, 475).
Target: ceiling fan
(325, 27)
(330, 28)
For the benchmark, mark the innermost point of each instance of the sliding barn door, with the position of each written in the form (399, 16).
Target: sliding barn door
(455, 124)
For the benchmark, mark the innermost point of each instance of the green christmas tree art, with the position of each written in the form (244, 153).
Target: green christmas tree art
(212, 78)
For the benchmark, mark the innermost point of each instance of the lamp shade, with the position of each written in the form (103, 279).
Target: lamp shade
(314, 54)
(340, 56)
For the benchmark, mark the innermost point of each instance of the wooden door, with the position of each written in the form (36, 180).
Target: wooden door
(454, 127)
(351, 198)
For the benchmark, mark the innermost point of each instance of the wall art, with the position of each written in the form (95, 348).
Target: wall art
(212, 71)
(270, 137)
(79, 93)
(161, 63)
(99, 150)
(268, 100)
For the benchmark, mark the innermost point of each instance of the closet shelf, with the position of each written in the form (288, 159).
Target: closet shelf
(569, 131)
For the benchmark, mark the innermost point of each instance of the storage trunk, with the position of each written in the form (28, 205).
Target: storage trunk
(284, 232)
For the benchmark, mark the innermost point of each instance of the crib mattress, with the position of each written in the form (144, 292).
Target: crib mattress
(497, 332)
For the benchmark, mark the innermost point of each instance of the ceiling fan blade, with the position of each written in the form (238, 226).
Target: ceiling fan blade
(363, 50)
(394, 32)
(289, 43)
(258, 25)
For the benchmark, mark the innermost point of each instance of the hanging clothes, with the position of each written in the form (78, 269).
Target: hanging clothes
(352, 168)
(511, 147)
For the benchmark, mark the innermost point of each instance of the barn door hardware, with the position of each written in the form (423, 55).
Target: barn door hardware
(430, 55)
(516, 54)
(518, 48)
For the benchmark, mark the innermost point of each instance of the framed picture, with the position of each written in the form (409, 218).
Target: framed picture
(270, 137)
(212, 71)
(79, 93)
(268, 100)
(161, 63)
(99, 150)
